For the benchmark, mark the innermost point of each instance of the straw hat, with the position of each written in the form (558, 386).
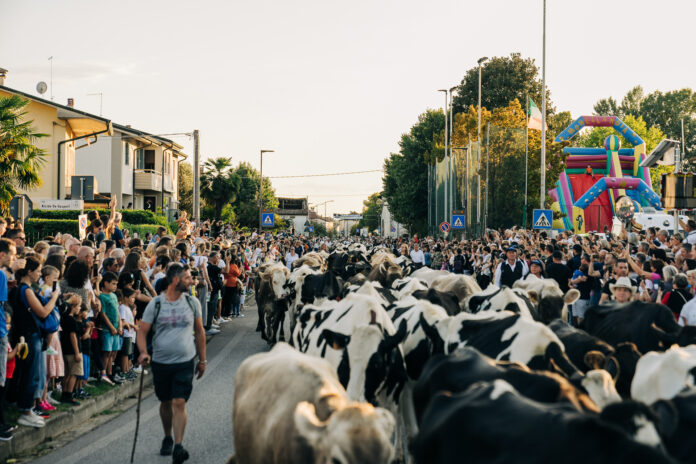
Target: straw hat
(623, 282)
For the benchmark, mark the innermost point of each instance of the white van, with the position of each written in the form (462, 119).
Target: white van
(649, 217)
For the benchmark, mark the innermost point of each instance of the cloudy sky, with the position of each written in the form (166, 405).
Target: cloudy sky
(330, 86)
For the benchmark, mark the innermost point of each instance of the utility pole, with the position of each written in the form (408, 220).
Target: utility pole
(196, 178)
(542, 196)
(444, 197)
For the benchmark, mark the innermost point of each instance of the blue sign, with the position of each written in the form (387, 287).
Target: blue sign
(458, 221)
(445, 227)
(267, 219)
(310, 229)
(542, 219)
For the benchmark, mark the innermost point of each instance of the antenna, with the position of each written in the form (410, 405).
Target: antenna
(50, 58)
(41, 87)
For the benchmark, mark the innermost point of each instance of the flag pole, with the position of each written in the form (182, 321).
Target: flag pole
(526, 160)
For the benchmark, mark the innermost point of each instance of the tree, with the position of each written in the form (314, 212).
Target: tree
(20, 160)
(372, 212)
(247, 209)
(220, 185)
(406, 173)
(185, 177)
(503, 79)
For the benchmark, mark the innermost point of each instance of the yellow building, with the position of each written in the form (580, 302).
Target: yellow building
(67, 130)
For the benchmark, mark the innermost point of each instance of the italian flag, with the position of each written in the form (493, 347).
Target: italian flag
(534, 117)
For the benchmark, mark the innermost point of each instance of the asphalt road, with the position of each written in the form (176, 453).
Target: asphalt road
(209, 430)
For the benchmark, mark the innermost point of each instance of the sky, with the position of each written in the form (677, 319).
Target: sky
(330, 86)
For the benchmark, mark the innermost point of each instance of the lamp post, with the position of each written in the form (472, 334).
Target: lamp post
(478, 137)
(542, 195)
(450, 174)
(445, 109)
(261, 190)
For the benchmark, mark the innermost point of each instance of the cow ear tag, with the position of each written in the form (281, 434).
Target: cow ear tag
(335, 346)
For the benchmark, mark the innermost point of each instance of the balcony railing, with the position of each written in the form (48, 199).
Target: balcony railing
(148, 179)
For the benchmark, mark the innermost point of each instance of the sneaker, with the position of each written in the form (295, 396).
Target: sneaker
(5, 436)
(214, 326)
(82, 394)
(51, 400)
(179, 455)
(46, 406)
(167, 446)
(42, 414)
(31, 420)
(212, 331)
(138, 370)
(51, 352)
(240, 315)
(130, 375)
(116, 379)
(104, 378)
(69, 398)
(7, 428)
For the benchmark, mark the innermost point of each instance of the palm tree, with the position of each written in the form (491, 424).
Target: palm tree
(219, 183)
(20, 159)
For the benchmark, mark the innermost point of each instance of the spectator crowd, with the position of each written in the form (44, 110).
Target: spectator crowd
(72, 307)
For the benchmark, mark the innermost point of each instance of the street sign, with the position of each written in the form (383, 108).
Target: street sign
(267, 219)
(21, 207)
(82, 223)
(445, 227)
(310, 229)
(61, 204)
(542, 219)
(458, 220)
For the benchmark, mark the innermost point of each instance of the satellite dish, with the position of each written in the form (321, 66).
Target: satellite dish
(41, 87)
(625, 209)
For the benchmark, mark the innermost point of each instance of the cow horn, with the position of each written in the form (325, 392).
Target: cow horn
(613, 367)
(595, 359)
(664, 336)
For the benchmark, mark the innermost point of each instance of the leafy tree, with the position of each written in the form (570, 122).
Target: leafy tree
(406, 173)
(185, 177)
(372, 212)
(220, 185)
(247, 209)
(503, 79)
(20, 160)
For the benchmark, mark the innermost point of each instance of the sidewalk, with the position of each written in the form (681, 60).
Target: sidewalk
(27, 438)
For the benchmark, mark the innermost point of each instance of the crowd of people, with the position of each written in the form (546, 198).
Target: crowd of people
(74, 308)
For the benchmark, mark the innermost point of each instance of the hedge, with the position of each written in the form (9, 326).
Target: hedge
(37, 229)
(131, 216)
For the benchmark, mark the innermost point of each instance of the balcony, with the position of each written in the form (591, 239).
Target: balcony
(148, 179)
(168, 183)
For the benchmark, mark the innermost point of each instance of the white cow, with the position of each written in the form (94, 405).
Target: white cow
(290, 408)
(663, 375)
(428, 275)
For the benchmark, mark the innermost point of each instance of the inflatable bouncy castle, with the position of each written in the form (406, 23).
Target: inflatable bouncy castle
(595, 178)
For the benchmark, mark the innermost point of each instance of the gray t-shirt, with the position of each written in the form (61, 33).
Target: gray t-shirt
(173, 341)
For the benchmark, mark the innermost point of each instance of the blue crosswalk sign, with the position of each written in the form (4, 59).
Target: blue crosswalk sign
(458, 221)
(542, 219)
(267, 219)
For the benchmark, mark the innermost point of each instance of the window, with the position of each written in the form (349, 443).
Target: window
(149, 160)
(126, 152)
(140, 159)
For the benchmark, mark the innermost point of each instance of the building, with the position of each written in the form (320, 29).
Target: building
(67, 131)
(346, 222)
(325, 222)
(295, 211)
(143, 170)
(388, 226)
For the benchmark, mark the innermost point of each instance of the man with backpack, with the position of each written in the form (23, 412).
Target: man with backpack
(172, 317)
(458, 262)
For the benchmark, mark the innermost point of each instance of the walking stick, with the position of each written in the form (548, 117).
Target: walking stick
(137, 415)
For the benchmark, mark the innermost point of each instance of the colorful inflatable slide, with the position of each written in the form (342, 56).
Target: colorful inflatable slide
(595, 178)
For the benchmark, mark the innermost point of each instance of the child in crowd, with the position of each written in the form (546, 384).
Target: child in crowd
(49, 278)
(86, 326)
(71, 341)
(126, 309)
(110, 337)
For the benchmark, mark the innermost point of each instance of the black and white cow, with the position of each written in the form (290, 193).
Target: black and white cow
(461, 285)
(428, 275)
(549, 302)
(650, 326)
(446, 300)
(401, 288)
(492, 422)
(589, 352)
(290, 408)
(466, 366)
(662, 375)
(506, 336)
(677, 424)
(384, 269)
(500, 299)
(271, 301)
(358, 338)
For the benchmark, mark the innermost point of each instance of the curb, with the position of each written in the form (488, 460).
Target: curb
(27, 438)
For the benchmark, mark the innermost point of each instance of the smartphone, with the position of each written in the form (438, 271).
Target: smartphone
(55, 284)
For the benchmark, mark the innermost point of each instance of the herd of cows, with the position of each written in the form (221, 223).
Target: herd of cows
(387, 362)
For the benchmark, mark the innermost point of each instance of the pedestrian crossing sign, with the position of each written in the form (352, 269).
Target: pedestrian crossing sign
(542, 219)
(267, 219)
(458, 220)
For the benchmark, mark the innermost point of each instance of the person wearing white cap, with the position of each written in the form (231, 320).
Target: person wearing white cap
(622, 291)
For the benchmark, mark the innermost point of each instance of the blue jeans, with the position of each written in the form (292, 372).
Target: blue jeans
(30, 376)
(42, 377)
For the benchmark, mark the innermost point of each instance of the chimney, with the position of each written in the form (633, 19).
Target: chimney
(3, 75)
(71, 103)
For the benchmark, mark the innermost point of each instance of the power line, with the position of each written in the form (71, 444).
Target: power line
(322, 196)
(325, 175)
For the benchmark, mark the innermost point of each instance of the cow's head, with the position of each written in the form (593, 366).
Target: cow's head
(547, 296)
(636, 419)
(600, 386)
(277, 277)
(357, 432)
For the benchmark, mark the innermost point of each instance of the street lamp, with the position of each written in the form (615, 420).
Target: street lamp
(446, 140)
(261, 190)
(478, 197)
